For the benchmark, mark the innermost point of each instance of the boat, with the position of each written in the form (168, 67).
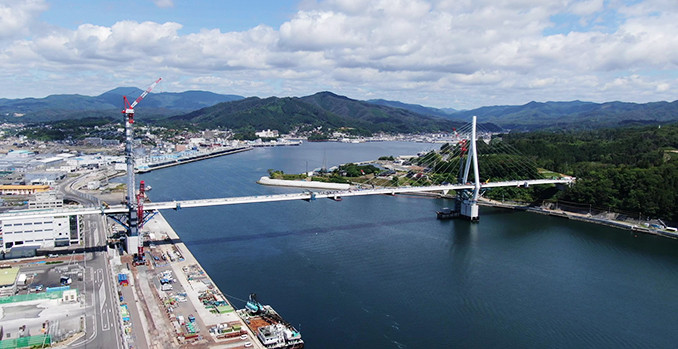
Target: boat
(253, 305)
(447, 213)
(269, 327)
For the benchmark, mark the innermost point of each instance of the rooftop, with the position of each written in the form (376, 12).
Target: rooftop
(8, 276)
(19, 186)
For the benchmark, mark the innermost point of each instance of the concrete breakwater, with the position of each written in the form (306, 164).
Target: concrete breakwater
(303, 184)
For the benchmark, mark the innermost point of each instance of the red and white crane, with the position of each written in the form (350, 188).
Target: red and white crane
(135, 202)
(129, 108)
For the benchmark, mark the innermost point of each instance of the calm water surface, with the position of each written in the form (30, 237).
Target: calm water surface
(382, 272)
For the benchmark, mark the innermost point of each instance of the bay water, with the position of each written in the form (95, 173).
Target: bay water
(383, 272)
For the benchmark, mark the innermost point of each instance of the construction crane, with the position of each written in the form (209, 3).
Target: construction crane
(141, 195)
(134, 202)
(129, 108)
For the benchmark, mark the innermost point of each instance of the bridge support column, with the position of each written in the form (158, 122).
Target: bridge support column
(469, 210)
(132, 244)
(469, 207)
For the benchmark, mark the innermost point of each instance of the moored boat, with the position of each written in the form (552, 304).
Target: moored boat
(269, 327)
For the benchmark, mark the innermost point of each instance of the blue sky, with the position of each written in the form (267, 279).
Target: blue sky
(226, 15)
(441, 53)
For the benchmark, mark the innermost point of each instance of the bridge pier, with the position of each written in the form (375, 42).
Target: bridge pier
(132, 243)
(469, 210)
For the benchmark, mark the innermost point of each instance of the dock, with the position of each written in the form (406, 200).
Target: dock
(173, 300)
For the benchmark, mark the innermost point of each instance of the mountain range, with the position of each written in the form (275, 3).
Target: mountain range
(330, 111)
(574, 114)
(323, 110)
(107, 104)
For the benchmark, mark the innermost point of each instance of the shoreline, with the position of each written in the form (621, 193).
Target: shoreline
(578, 217)
(197, 157)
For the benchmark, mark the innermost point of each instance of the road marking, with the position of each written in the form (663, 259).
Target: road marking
(105, 325)
(102, 296)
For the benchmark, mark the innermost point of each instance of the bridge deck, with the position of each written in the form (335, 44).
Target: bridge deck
(307, 195)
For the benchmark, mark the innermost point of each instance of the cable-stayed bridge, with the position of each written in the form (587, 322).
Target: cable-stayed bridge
(307, 196)
(467, 205)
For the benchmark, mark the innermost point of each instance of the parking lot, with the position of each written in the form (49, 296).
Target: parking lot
(42, 303)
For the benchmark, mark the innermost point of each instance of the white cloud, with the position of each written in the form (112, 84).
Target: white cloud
(16, 16)
(663, 87)
(481, 51)
(586, 8)
(164, 3)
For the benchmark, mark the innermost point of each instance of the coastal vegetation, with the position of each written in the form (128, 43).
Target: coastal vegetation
(633, 169)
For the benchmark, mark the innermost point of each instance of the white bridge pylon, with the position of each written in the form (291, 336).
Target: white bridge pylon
(469, 208)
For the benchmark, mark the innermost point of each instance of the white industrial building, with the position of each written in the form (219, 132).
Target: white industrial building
(267, 134)
(40, 233)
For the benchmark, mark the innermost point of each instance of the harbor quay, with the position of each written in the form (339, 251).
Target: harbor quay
(173, 302)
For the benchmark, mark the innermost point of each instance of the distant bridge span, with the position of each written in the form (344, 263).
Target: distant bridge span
(307, 195)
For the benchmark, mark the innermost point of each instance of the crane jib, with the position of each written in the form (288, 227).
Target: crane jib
(129, 108)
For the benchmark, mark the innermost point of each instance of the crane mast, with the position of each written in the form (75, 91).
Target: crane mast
(134, 202)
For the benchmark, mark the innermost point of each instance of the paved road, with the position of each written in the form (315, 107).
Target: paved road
(103, 324)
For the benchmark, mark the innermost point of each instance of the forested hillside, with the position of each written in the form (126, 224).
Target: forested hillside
(322, 110)
(625, 169)
(107, 104)
(574, 115)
